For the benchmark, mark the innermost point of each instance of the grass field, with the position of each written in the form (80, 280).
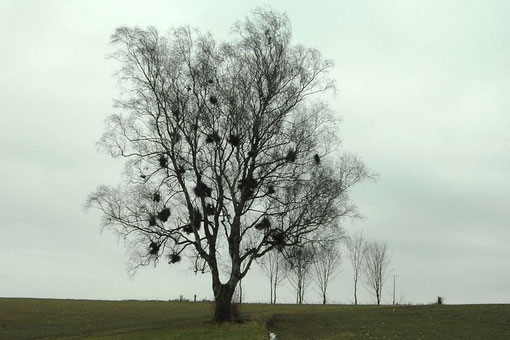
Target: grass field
(41, 318)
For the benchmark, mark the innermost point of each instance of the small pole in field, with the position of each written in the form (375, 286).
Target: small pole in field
(394, 276)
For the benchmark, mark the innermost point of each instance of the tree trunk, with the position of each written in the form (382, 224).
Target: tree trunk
(324, 298)
(271, 290)
(223, 304)
(240, 291)
(355, 295)
(274, 292)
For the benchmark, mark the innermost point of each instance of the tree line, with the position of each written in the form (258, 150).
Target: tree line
(318, 264)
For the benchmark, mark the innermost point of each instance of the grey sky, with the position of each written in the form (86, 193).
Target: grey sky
(423, 89)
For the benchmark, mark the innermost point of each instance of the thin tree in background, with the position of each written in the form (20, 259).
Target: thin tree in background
(327, 260)
(298, 268)
(375, 267)
(356, 254)
(227, 158)
(273, 265)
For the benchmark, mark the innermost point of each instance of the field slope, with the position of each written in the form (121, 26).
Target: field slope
(44, 318)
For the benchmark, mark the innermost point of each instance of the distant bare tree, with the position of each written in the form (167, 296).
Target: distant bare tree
(273, 265)
(356, 253)
(375, 267)
(238, 293)
(299, 263)
(326, 262)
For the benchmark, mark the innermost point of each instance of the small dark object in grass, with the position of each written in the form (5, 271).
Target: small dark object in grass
(270, 190)
(264, 224)
(163, 162)
(252, 153)
(291, 156)
(202, 190)
(156, 197)
(152, 220)
(210, 209)
(174, 258)
(234, 140)
(213, 100)
(164, 214)
(154, 248)
(210, 81)
(317, 159)
(176, 112)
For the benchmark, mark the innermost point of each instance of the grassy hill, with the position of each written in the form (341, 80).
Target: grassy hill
(37, 318)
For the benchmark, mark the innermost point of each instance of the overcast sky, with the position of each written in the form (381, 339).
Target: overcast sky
(423, 91)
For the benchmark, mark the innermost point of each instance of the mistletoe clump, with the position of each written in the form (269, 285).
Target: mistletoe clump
(164, 214)
(213, 138)
(264, 224)
(163, 161)
(278, 239)
(210, 209)
(174, 258)
(152, 220)
(317, 159)
(194, 224)
(213, 100)
(202, 190)
(291, 156)
(154, 248)
(234, 140)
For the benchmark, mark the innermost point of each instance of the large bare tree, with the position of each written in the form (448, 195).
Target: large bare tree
(375, 267)
(227, 156)
(327, 259)
(356, 246)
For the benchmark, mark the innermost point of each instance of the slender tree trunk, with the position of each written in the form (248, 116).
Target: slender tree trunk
(355, 294)
(271, 290)
(274, 292)
(324, 297)
(240, 291)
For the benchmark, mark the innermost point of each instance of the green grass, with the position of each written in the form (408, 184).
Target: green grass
(402, 322)
(38, 318)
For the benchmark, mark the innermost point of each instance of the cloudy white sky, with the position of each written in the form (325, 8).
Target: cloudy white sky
(423, 90)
